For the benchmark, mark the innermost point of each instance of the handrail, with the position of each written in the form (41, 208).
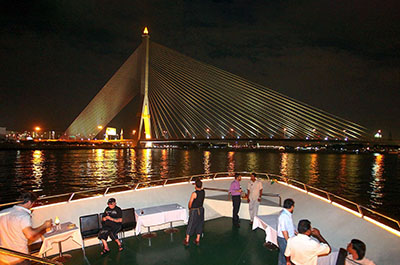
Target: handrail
(329, 196)
(263, 194)
(361, 210)
(13, 253)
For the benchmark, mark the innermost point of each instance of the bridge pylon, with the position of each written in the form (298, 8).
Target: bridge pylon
(145, 115)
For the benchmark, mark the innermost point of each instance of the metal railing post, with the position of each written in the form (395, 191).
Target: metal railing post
(70, 198)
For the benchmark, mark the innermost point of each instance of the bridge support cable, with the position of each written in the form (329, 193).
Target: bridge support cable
(214, 103)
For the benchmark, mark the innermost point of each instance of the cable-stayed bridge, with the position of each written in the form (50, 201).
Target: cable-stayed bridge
(183, 98)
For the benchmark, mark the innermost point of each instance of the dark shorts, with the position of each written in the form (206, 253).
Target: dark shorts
(108, 231)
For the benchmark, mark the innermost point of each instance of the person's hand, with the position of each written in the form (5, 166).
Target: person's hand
(48, 223)
(315, 232)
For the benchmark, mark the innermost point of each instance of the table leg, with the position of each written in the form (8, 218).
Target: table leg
(61, 257)
(149, 234)
(171, 230)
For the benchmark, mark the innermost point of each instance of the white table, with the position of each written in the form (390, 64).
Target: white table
(159, 215)
(67, 230)
(269, 223)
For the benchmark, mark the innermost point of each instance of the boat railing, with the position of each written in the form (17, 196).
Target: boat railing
(16, 254)
(350, 206)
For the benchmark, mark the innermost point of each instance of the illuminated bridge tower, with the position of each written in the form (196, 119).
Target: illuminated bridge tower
(145, 115)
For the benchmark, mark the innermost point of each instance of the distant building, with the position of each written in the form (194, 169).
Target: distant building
(3, 132)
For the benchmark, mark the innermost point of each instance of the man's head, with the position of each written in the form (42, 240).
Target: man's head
(304, 227)
(253, 177)
(238, 177)
(357, 249)
(111, 203)
(288, 204)
(199, 184)
(27, 200)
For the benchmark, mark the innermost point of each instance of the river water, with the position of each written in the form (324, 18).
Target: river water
(372, 180)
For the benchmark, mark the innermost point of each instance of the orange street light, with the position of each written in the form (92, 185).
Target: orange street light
(134, 132)
(100, 127)
(37, 128)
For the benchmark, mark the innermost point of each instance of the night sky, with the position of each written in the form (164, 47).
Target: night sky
(340, 56)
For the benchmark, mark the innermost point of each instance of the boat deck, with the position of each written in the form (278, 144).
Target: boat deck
(222, 244)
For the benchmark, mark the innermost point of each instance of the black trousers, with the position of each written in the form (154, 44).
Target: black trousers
(236, 206)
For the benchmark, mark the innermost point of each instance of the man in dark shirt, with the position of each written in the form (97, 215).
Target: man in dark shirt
(111, 221)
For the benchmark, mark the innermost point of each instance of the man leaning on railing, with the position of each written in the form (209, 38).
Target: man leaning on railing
(16, 229)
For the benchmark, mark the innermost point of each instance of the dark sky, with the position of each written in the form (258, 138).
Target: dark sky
(340, 56)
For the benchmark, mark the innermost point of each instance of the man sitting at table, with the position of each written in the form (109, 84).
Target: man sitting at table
(302, 250)
(111, 221)
(196, 214)
(16, 229)
(356, 253)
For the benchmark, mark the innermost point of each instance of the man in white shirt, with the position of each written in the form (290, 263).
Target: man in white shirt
(286, 228)
(356, 253)
(302, 249)
(16, 229)
(254, 193)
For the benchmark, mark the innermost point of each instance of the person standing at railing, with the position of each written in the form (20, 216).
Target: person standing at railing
(235, 190)
(16, 229)
(112, 220)
(196, 214)
(286, 228)
(254, 193)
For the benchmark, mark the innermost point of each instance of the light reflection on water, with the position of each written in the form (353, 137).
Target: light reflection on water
(372, 180)
(231, 161)
(314, 172)
(378, 181)
(37, 168)
(206, 162)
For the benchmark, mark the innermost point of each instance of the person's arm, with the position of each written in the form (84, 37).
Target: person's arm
(32, 234)
(248, 193)
(117, 219)
(259, 197)
(192, 197)
(285, 235)
(287, 253)
(317, 234)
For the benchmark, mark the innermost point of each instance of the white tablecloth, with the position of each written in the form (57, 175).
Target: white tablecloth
(159, 215)
(269, 223)
(66, 232)
(329, 259)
